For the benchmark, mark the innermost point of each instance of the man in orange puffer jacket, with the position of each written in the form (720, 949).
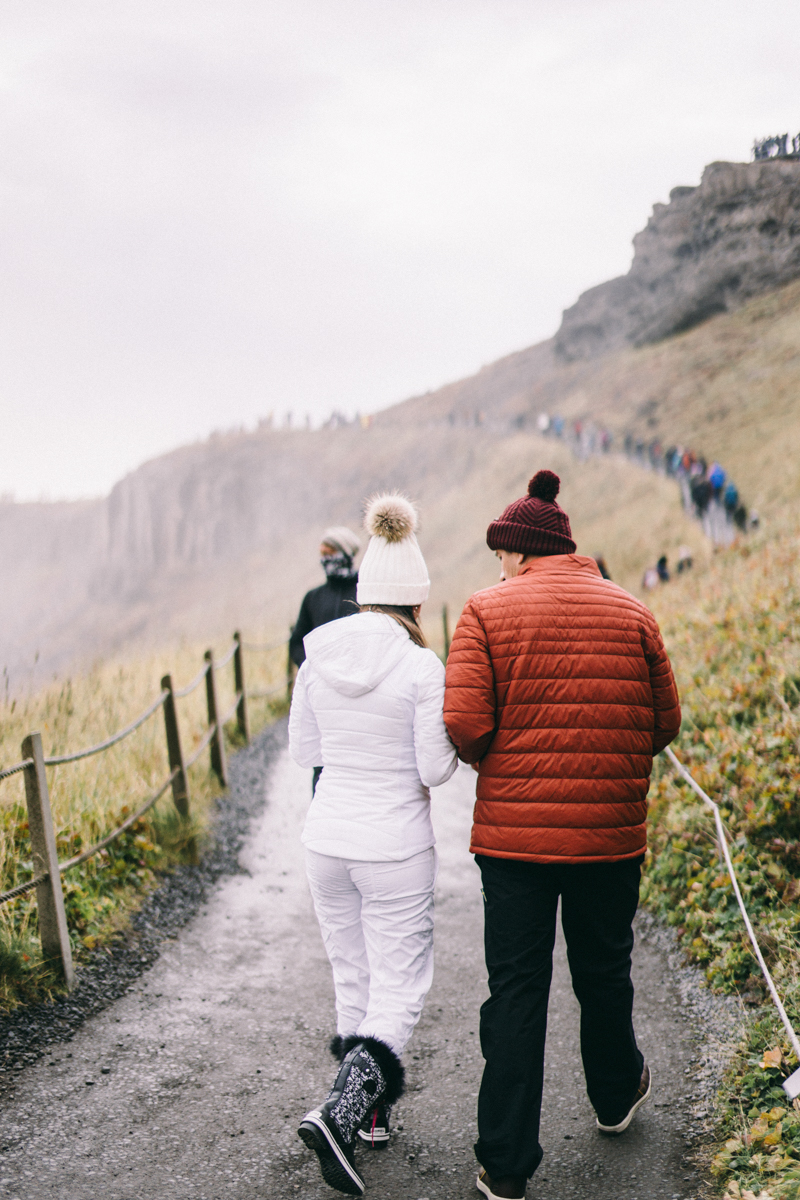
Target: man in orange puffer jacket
(560, 692)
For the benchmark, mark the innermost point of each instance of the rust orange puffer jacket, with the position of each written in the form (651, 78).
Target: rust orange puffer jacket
(559, 685)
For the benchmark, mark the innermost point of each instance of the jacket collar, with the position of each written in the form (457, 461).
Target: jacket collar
(560, 563)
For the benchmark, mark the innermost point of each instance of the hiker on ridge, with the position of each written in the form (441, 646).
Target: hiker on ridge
(368, 705)
(559, 691)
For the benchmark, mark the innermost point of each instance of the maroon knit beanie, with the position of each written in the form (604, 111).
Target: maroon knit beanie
(535, 524)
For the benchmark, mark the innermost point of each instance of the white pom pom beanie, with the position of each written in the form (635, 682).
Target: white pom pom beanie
(393, 570)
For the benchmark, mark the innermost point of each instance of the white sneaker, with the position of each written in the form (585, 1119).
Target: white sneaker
(374, 1129)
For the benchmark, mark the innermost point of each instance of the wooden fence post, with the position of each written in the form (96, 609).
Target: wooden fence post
(49, 896)
(242, 719)
(180, 784)
(217, 743)
(289, 668)
(446, 630)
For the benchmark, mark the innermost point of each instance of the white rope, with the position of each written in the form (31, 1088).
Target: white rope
(224, 720)
(181, 693)
(212, 729)
(792, 1084)
(226, 658)
(58, 759)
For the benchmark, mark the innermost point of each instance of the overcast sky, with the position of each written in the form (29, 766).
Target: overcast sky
(216, 210)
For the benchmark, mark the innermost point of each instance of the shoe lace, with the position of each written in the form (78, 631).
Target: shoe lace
(372, 1130)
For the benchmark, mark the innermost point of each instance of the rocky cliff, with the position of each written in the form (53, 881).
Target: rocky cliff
(709, 250)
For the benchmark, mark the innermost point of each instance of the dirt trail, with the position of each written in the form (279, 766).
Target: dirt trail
(191, 1086)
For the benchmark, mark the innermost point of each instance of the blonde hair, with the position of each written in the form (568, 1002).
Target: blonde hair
(404, 615)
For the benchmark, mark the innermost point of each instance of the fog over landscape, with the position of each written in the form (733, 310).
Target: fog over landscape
(216, 213)
(263, 263)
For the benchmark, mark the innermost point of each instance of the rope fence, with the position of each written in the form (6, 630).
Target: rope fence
(56, 946)
(22, 888)
(181, 693)
(262, 693)
(109, 742)
(239, 697)
(126, 824)
(223, 662)
(791, 1085)
(212, 732)
(260, 647)
(7, 772)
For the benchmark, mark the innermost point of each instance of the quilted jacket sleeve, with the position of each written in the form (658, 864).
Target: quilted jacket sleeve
(435, 753)
(666, 705)
(470, 703)
(303, 626)
(305, 742)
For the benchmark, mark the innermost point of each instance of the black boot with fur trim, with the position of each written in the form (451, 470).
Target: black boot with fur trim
(370, 1074)
(374, 1129)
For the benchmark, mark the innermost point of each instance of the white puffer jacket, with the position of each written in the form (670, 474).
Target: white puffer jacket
(367, 706)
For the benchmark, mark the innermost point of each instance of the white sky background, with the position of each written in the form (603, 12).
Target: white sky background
(214, 209)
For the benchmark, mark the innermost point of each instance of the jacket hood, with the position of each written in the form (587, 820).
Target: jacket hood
(355, 654)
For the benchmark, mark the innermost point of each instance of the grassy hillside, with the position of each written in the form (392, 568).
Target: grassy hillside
(92, 797)
(733, 632)
(225, 533)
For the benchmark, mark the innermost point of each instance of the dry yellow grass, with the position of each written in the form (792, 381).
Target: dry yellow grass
(90, 798)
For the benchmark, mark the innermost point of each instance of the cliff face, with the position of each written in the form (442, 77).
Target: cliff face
(709, 250)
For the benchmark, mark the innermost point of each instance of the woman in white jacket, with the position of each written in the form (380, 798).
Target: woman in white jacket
(368, 705)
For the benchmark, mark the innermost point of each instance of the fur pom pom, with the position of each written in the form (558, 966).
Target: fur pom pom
(545, 485)
(391, 517)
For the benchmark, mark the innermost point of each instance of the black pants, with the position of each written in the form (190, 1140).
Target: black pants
(598, 903)
(315, 780)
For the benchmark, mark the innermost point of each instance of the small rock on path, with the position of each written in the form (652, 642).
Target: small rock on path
(192, 1085)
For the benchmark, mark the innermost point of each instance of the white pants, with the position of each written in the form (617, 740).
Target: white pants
(376, 920)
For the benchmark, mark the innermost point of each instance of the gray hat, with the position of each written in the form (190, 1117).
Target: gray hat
(343, 539)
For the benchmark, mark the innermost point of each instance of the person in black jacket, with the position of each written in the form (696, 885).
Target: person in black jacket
(337, 596)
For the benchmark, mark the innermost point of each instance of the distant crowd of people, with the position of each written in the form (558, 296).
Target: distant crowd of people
(709, 493)
(776, 146)
(585, 436)
(704, 486)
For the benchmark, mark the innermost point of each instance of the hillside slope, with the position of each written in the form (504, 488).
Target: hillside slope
(224, 533)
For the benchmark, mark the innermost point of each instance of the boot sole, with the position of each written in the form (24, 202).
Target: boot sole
(336, 1170)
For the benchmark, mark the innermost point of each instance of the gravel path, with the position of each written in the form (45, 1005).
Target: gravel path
(191, 1084)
